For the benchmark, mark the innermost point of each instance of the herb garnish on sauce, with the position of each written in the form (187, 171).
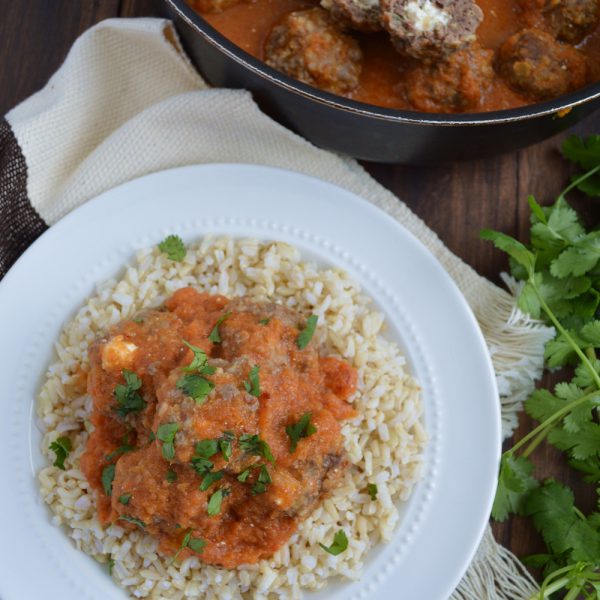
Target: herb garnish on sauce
(260, 485)
(166, 434)
(214, 504)
(128, 396)
(215, 336)
(252, 444)
(195, 544)
(173, 247)
(306, 334)
(199, 362)
(196, 387)
(171, 476)
(133, 520)
(253, 384)
(302, 429)
(340, 543)
(124, 499)
(108, 475)
(61, 447)
(210, 478)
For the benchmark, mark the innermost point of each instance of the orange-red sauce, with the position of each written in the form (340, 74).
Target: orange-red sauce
(248, 25)
(161, 492)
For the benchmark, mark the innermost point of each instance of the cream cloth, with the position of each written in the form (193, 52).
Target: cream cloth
(128, 102)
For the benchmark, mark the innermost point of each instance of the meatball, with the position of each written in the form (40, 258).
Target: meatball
(535, 64)
(431, 29)
(362, 15)
(451, 85)
(213, 6)
(308, 46)
(568, 20)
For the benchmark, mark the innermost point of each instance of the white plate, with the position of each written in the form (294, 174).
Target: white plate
(443, 521)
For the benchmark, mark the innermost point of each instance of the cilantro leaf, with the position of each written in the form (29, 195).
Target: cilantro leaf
(254, 445)
(171, 476)
(582, 444)
(372, 490)
(225, 444)
(307, 333)
(111, 565)
(265, 321)
(61, 448)
(128, 397)
(132, 520)
(196, 387)
(199, 362)
(197, 545)
(244, 475)
(173, 247)
(302, 429)
(120, 450)
(124, 499)
(215, 336)
(582, 152)
(514, 248)
(107, 477)
(339, 545)
(514, 484)
(214, 503)
(166, 434)
(207, 448)
(210, 478)
(263, 479)
(542, 404)
(253, 384)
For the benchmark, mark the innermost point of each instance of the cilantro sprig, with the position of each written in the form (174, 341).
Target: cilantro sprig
(61, 448)
(339, 544)
(559, 270)
(129, 399)
(194, 544)
(215, 335)
(300, 430)
(252, 385)
(173, 247)
(166, 434)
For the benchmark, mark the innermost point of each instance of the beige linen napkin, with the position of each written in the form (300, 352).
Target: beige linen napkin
(127, 102)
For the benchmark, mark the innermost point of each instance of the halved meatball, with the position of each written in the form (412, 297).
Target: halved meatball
(568, 20)
(535, 64)
(213, 6)
(451, 85)
(430, 29)
(361, 15)
(308, 46)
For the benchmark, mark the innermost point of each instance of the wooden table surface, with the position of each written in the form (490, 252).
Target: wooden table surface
(456, 200)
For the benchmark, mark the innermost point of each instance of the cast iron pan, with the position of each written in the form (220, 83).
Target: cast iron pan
(365, 131)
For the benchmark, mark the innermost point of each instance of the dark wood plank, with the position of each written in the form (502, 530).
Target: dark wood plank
(35, 36)
(456, 200)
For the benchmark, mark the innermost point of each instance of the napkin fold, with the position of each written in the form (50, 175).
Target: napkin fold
(127, 102)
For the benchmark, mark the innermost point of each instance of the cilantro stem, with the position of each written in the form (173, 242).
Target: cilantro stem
(577, 181)
(537, 441)
(573, 593)
(566, 334)
(591, 353)
(541, 428)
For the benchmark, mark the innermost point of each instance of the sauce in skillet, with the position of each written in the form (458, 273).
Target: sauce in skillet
(249, 23)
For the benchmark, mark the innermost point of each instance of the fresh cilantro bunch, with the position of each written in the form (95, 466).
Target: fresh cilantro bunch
(560, 274)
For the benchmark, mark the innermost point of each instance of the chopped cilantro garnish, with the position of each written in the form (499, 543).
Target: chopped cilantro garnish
(111, 565)
(253, 384)
(225, 442)
(210, 478)
(124, 499)
(196, 387)
(244, 475)
(166, 434)
(215, 336)
(199, 362)
(196, 545)
(252, 444)
(306, 334)
(171, 476)
(340, 543)
(302, 429)
(214, 503)
(61, 447)
(133, 520)
(265, 321)
(372, 490)
(205, 449)
(120, 450)
(108, 475)
(128, 396)
(173, 247)
(138, 320)
(260, 485)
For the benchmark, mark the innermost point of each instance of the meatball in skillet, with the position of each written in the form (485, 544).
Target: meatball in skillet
(308, 46)
(431, 29)
(568, 20)
(535, 64)
(454, 84)
(360, 15)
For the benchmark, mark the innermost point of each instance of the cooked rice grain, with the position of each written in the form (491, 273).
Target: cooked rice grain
(384, 443)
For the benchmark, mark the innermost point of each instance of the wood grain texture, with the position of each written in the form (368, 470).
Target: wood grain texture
(456, 200)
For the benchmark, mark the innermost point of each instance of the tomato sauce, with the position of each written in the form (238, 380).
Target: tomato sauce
(247, 458)
(384, 70)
